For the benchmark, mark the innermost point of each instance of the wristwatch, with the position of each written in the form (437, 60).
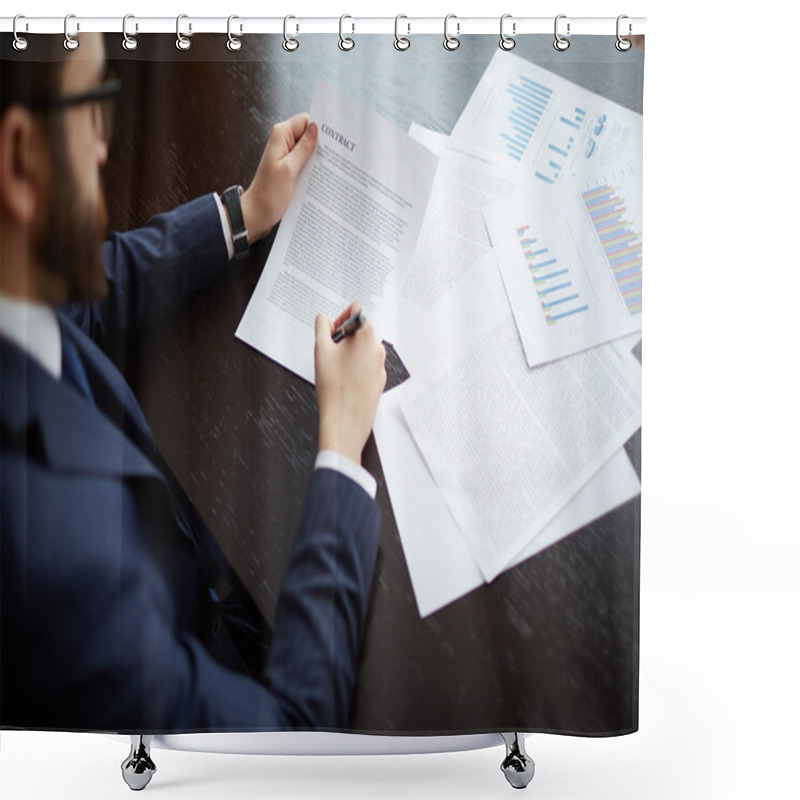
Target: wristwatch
(232, 200)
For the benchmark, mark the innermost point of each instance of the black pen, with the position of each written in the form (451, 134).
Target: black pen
(350, 326)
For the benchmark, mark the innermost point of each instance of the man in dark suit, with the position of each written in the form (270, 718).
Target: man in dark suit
(118, 610)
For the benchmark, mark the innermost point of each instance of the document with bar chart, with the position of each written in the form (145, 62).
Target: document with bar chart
(572, 266)
(551, 128)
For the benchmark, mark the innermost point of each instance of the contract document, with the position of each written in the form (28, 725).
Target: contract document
(508, 446)
(550, 127)
(351, 227)
(571, 261)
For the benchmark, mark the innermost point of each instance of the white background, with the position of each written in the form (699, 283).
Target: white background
(720, 607)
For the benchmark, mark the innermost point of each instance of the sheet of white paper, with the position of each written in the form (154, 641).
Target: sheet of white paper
(571, 261)
(549, 126)
(435, 141)
(439, 560)
(509, 446)
(351, 227)
(447, 283)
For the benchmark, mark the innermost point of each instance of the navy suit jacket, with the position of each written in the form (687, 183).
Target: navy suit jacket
(105, 574)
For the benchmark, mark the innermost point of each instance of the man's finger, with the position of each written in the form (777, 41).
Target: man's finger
(284, 135)
(323, 329)
(297, 124)
(303, 149)
(350, 311)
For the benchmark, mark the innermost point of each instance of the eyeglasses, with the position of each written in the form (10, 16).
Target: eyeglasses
(101, 98)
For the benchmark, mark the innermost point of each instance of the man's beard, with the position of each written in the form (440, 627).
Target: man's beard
(70, 242)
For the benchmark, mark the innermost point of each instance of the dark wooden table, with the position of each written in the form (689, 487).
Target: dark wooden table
(550, 645)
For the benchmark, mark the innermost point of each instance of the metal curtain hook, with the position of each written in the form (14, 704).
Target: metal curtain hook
(70, 42)
(129, 42)
(621, 44)
(182, 42)
(400, 42)
(234, 43)
(20, 42)
(345, 42)
(451, 42)
(289, 44)
(560, 43)
(507, 42)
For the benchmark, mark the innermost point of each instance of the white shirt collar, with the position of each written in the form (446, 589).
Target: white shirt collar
(34, 328)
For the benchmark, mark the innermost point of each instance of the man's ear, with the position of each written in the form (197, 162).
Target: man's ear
(23, 165)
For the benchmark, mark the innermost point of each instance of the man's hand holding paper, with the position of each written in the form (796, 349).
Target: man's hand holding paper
(352, 225)
(265, 201)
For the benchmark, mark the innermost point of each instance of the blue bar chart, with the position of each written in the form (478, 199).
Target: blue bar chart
(563, 138)
(621, 243)
(529, 101)
(553, 282)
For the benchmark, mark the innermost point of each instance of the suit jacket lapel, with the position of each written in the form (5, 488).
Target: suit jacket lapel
(75, 435)
(111, 392)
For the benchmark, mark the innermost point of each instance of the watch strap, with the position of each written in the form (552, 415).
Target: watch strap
(232, 200)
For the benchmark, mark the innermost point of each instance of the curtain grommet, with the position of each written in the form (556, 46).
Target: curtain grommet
(20, 42)
(623, 45)
(507, 42)
(234, 43)
(289, 44)
(561, 43)
(129, 42)
(70, 42)
(345, 42)
(451, 42)
(401, 42)
(182, 42)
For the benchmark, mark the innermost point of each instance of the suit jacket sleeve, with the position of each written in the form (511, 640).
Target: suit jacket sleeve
(323, 603)
(153, 269)
(97, 645)
(311, 669)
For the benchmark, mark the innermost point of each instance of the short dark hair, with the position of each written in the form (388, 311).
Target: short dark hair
(34, 73)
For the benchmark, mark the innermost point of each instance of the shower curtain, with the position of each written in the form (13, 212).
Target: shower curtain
(485, 206)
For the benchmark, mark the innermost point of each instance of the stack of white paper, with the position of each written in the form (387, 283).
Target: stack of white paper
(506, 460)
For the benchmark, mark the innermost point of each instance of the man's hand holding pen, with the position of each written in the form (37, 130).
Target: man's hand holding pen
(350, 375)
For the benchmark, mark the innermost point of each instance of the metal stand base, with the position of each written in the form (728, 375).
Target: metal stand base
(138, 768)
(517, 766)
